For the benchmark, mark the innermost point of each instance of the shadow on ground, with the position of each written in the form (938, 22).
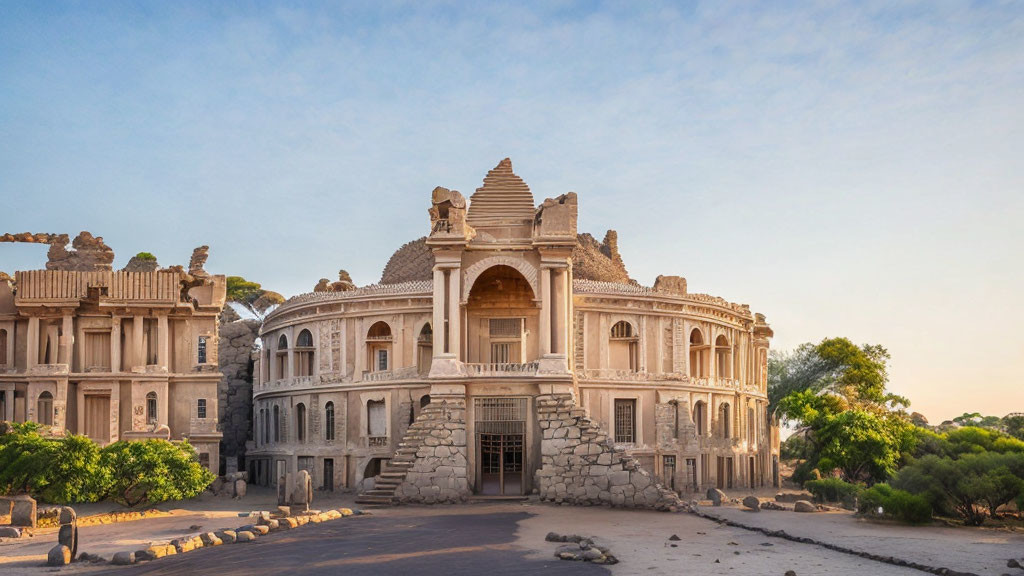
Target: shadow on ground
(372, 545)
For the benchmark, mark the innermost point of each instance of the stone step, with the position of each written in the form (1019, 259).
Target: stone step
(392, 474)
(371, 500)
(379, 492)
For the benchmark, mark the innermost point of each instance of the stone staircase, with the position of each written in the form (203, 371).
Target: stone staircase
(394, 472)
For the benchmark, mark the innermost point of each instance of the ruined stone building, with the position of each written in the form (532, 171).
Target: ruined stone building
(113, 355)
(505, 354)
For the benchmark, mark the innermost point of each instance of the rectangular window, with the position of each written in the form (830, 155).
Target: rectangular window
(376, 419)
(97, 351)
(625, 421)
(202, 350)
(691, 473)
(669, 471)
(201, 409)
(382, 360)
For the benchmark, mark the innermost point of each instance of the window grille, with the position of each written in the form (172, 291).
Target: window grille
(625, 421)
(669, 470)
(382, 360)
(201, 408)
(506, 327)
(329, 421)
(300, 422)
(501, 353)
(151, 408)
(622, 329)
(202, 350)
(500, 415)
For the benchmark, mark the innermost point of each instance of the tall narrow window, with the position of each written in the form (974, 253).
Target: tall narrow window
(725, 415)
(750, 426)
(723, 357)
(698, 355)
(378, 346)
(700, 417)
(3, 347)
(202, 350)
(151, 408)
(277, 424)
(304, 353)
(625, 421)
(300, 421)
(329, 421)
(201, 408)
(382, 360)
(44, 409)
(376, 419)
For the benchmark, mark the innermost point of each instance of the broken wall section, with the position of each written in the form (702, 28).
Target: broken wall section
(580, 466)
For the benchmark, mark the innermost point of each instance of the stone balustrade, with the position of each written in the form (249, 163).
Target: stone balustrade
(502, 368)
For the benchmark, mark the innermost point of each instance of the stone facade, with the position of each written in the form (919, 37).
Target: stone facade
(113, 355)
(508, 354)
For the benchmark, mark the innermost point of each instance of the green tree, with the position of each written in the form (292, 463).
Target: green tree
(252, 296)
(1013, 424)
(151, 471)
(973, 485)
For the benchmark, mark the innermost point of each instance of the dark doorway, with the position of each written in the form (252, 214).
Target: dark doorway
(753, 483)
(329, 474)
(501, 464)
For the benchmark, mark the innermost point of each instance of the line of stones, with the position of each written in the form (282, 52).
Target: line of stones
(868, 555)
(247, 533)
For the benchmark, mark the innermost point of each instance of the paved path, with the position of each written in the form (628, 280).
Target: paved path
(375, 545)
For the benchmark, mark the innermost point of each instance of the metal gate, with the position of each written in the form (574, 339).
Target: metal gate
(501, 445)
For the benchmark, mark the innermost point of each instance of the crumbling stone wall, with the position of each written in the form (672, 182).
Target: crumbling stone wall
(234, 391)
(436, 443)
(581, 466)
(600, 261)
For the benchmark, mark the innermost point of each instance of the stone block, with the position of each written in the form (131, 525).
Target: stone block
(752, 503)
(10, 532)
(59, 555)
(123, 558)
(67, 515)
(716, 496)
(245, 536)
(240, 488)
(23, 511)
(68, 536)
(154, 552)
(227, 536)
(804, 506)
(210, 539)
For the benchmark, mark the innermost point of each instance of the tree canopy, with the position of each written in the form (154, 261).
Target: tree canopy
(251, 296)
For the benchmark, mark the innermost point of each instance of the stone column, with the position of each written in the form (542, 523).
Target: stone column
(138, 350)
(712, 361)
(557, 307)
(438, 321)
(545, 311)
(163, 356)
(454, 313)
(642, 344)
(33, 342)
(67, 340)
(291, 353)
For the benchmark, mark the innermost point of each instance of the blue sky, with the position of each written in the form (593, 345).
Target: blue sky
(845, 168)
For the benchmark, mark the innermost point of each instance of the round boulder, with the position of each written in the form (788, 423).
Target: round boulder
(59, 555)
(752, 503)
(804, 506)
(716, 496)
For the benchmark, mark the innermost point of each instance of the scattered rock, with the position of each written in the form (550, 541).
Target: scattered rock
(1012, 563)
(10, 532)
(227, 536)
(59, 555)
(195, 527)
(717, 496)
(245, 536)
(93, 558)
(123, 558)
(804, 506)
(752, 503)
(674, 538)
(790, 573)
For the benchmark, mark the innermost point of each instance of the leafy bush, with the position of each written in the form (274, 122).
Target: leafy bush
(972, 486)
(833, 490)
(150, 471)
(898, 504)
(806, 471)
(146, 256)
(72, 469)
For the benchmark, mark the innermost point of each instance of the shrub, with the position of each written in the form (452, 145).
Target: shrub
(148, 256)
(972, 486)
(151, 471)
(898, 504)
(833, 490)
(806, 471)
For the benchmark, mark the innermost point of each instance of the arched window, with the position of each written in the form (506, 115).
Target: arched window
(304, 354)
(378, 347)
(282, 357)
(623, 347)
(3, 347)
(44, 409)
(151, 408)
(425, 349)
(723, 357)
(700, 417)
(277, 424)
(725, 417)
(329, 421)
(300, 421)
(698, 355)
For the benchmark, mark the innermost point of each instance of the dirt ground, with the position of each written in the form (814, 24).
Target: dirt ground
(641, 540)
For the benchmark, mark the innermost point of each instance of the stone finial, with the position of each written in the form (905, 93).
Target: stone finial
(323, 285)
(556, 217)
(448, 214)
(198, 260)
(673, 284)
(343, 276)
